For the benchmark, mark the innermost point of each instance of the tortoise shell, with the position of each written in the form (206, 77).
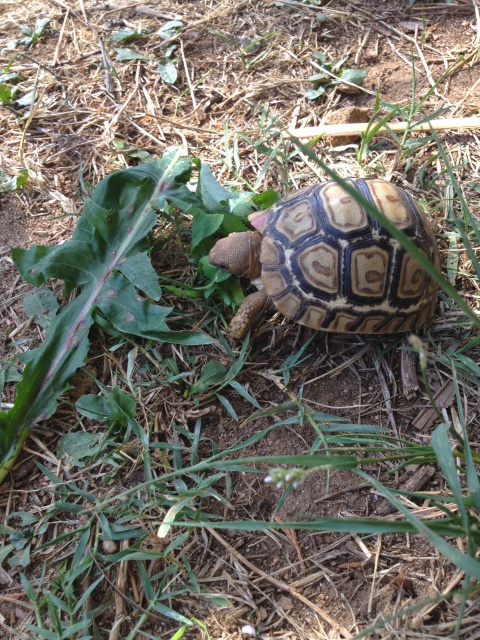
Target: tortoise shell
(327, 264)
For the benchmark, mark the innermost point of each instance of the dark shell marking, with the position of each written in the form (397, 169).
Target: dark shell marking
(328, 265)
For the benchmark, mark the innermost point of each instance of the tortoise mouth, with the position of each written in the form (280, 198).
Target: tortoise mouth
(216, 259)
(219, 265)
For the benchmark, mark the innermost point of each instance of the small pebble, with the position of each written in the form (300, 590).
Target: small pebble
(248, 630)
(109, 546)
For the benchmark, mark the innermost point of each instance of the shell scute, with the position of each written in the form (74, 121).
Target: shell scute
(369, 272)
(343, 322)
(271, 252)
(297, 221)
(411, 281)
(276, 282)
(312, 316)
(398, 324)
(372, 323)
(395, 203)
(343, 214)
(289, 303)
(319, 265)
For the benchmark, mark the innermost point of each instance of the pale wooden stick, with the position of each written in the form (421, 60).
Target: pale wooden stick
(358, 128)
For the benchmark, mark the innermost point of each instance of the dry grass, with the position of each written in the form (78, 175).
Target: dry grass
(242, 67)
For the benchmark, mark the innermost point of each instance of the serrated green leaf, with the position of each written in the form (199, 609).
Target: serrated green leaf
(222, 283)
(213, 273)
(185, 337)
(26, 99)
(75, 446)
(266, 199)
(125, 54)
(169, 29)
(242, 205)
(41, 305)
(354, 76)
(210, 191)
(204, 225)
(93, 407)
(11, 183)
(124, 35)
(138, 269)
(231, 223)
(213, 373)
(113, 228)
(168, 72)
(71, 261)
(313, 94)
(130, 313)
(45, 377)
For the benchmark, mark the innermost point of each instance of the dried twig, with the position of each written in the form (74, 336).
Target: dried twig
(387, 398)
(400, 127)
(65, 6)
(187, 76)
(60, 38)
(107, 68)
(292, 536)
(33, 108)
(443, 399)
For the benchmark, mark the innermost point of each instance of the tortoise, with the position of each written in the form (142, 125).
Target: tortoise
(324, 262)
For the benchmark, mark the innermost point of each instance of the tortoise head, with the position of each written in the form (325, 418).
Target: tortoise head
(238, 253)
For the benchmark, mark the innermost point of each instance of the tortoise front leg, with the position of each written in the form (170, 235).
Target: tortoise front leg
(245, 318)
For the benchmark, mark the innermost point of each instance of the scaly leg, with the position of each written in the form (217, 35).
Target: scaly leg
(246, 317)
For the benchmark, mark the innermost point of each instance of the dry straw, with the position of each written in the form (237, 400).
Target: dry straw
(361, 127)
